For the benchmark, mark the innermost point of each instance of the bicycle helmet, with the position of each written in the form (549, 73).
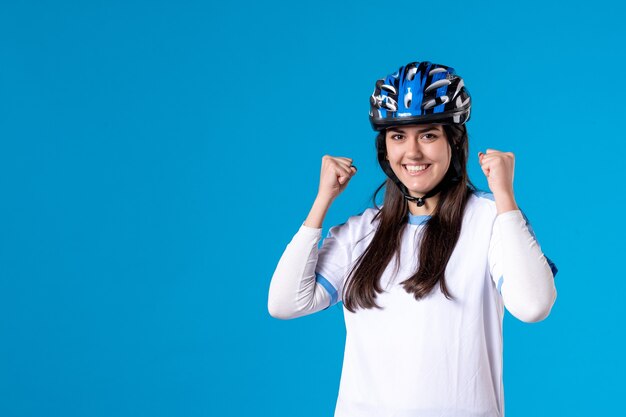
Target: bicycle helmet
(419, 92)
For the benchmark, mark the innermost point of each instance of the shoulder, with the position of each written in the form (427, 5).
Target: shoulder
(479, 194)
(355, 226)
(482, 202)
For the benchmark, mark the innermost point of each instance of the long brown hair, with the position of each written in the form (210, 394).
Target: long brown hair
(438, 240)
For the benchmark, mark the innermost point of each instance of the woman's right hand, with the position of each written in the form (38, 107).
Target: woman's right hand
(334, 177)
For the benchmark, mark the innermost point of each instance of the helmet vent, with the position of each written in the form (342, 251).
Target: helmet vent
(437, 84)
(389, 88)
(389, 103)
(436, 71)
(458, 88)
(408, 98)
(460, 102)
(435, 101)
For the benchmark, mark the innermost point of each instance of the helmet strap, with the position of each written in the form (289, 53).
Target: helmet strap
(420, 201)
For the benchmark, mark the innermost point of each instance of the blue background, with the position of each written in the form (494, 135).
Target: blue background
(157, 157)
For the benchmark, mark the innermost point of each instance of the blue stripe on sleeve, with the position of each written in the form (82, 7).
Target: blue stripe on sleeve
(499, 285)
(329, 287)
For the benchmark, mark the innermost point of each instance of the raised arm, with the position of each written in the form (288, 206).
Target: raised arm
(525, 276)
(294, 291)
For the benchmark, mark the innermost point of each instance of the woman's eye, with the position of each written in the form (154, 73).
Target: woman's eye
(427, 136)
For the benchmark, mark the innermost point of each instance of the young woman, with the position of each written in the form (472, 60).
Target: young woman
(424, 278)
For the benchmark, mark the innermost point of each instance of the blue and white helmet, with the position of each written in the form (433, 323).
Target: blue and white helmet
(420, 92)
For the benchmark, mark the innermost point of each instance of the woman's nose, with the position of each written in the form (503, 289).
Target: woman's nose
(413, 148)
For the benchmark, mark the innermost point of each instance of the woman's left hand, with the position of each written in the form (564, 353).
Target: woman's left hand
(499, 169)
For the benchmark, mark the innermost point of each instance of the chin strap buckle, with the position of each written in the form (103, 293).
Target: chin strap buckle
(420, 201)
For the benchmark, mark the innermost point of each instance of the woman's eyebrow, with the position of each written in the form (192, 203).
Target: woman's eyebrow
(419, 131)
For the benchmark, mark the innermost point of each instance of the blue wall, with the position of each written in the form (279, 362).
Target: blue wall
(156, 158)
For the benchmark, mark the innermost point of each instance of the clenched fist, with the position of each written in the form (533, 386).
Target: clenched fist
(499, 169)
(335, 174)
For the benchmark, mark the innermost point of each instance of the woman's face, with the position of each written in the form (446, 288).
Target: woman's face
(419, 155)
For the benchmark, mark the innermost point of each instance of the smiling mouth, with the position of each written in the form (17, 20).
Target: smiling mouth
(416, 169)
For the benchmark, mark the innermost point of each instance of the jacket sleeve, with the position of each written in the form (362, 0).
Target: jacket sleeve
(294, 291)
(524, 276)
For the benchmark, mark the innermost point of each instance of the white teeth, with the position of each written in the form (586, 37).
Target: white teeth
(415, 168)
